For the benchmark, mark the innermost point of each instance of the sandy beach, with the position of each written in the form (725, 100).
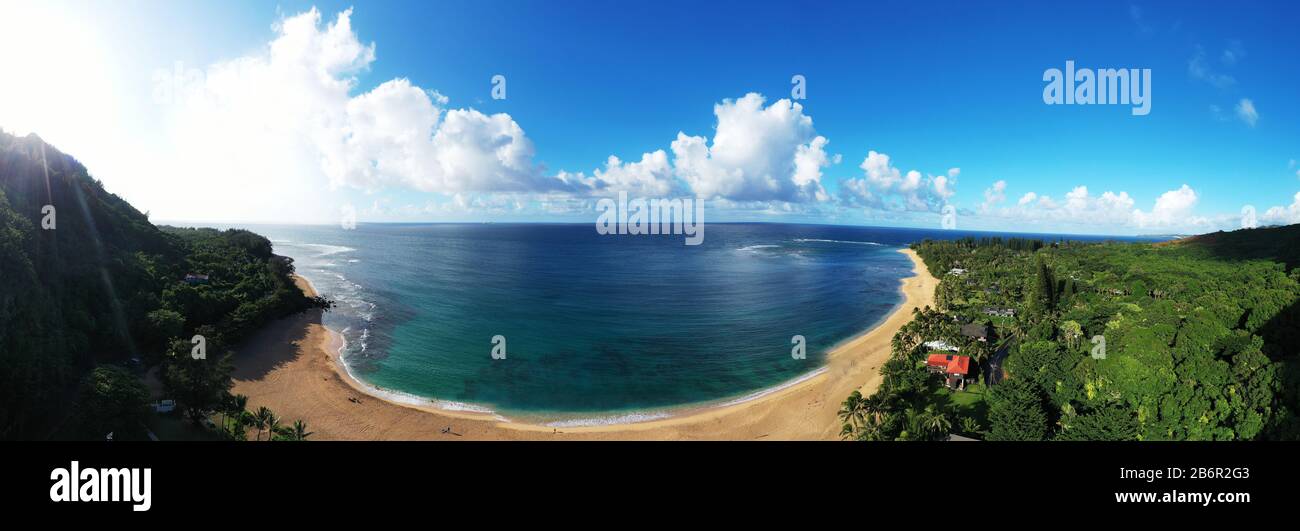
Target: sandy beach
(291, 367)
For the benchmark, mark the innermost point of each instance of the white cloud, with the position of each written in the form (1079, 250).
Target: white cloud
(396, 135)
(879, 172)
(884, 186)
(651, 176)
(994, 195)
(1172, 209)
(809, 159)
(1283, 215)
(283, 122)
(1246, 112)
(762, 158)
(757, 153)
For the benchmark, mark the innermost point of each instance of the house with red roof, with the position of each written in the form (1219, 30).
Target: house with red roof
(953, 367)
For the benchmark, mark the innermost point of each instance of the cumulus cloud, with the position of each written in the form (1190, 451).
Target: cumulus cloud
(651, 176)
(284, 119)
(758, 153)
(1246, 112)
(1079, 207)
(884, 186)
(1172, 208)
(289, 121)
(762, 158)
(1286, 215)
(397, 135)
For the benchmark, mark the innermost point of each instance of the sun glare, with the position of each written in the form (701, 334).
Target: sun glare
(57, 78)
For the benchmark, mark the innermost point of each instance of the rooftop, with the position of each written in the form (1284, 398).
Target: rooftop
(951, 363)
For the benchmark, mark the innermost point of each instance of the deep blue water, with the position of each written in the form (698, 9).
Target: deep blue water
(592, 323)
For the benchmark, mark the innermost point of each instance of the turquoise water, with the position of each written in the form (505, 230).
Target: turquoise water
(592, 323)
(595, 327)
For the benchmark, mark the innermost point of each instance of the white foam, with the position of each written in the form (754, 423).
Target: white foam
(400, 397)
(647, 416)
(628, 418)
(326, 249)
(764, 392)
(757, 247)
(449, 405)
(806, 240)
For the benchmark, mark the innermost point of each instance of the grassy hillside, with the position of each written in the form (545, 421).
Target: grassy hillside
(1277, 244)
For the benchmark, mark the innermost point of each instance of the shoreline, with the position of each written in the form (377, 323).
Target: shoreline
(282, 367)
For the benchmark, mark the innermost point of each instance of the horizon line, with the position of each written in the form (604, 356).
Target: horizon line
(209, 224)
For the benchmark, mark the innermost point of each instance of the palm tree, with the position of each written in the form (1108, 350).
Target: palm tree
(235, 407)
(851, 411)
(935, 421)
(260, 419)
(272, 425)
(224, 406)
(870, 432)
(298, 432)
(912, 425)
(874, 408)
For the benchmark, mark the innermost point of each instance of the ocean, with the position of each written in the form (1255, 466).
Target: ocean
(591, 328)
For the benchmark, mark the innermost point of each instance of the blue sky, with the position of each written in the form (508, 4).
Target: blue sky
(935, 86)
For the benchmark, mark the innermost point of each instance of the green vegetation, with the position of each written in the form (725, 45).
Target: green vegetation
(912, 404)
(92, 286)
(112, 400)
(1191, 340)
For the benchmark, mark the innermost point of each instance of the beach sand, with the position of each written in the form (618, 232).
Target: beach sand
(291, 367)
